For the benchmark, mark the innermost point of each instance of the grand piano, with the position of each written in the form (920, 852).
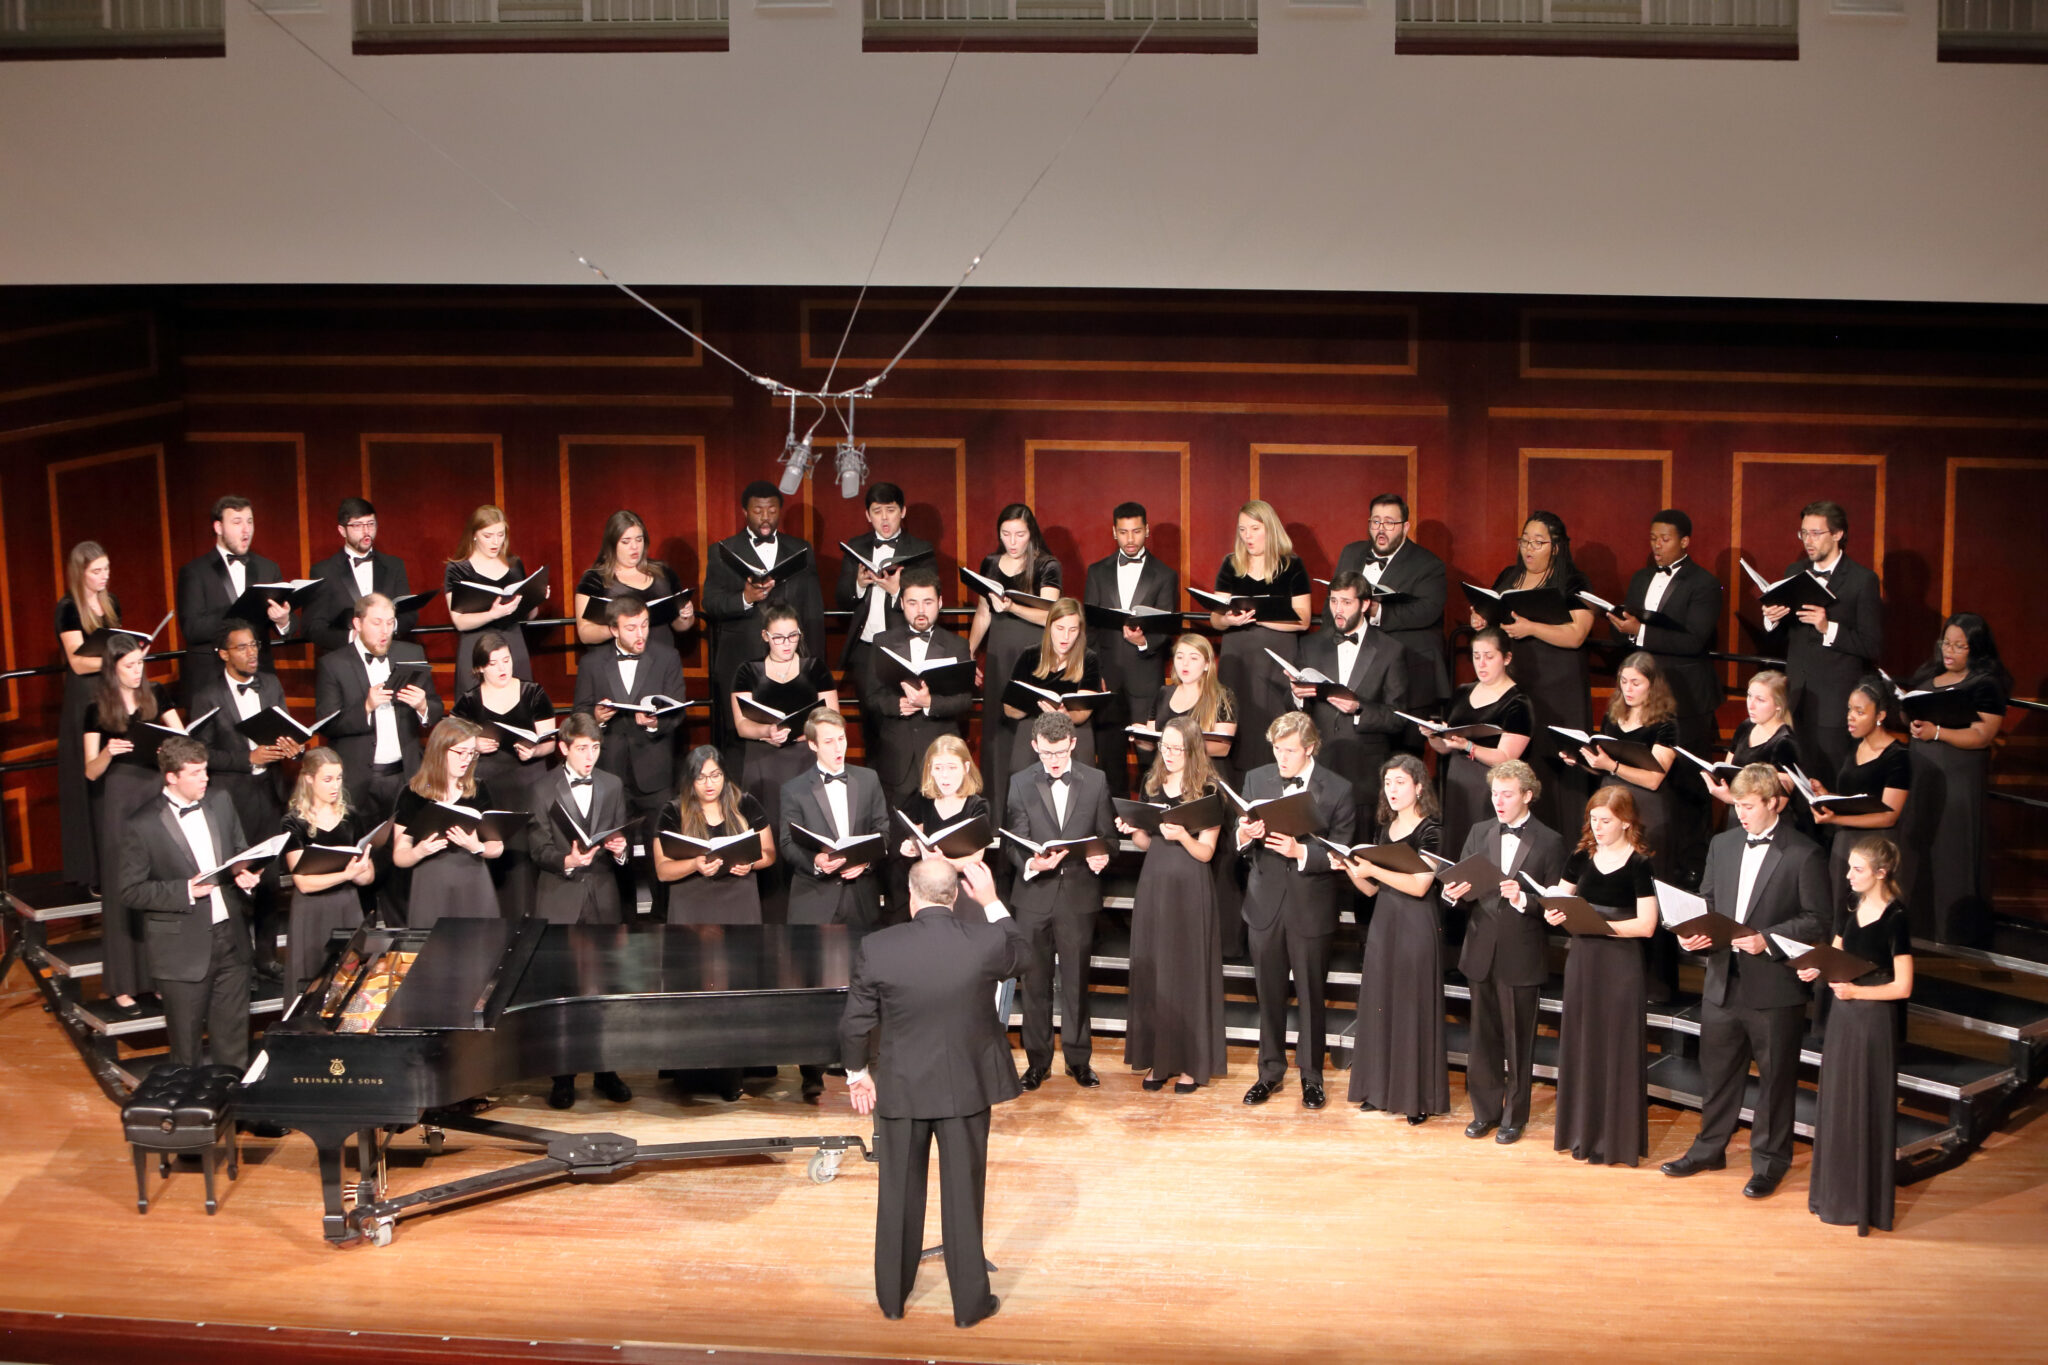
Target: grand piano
(406, 1025)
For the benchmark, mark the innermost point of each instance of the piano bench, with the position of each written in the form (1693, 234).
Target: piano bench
(178, 1111)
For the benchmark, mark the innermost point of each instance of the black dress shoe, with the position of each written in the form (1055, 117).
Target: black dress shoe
(1367, 1107)
(896, 1316)
(1033, 1078)
(993, 1304)
(732, 1093)
(1153, 1083)
(1186, 1087)
(1084, 1076)
(563, 1094)
(1260, 1092)
(1508, 1137)
(1479, 1128)
(813, 1089)
(1761, 1186)
(1693, 1165)
(1415, 1119)
(608, 1084)
(1312, 1096)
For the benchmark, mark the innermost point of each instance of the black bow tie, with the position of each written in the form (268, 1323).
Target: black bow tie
(357, 561)
(1294, 784)
(924, 635)
(1123, 559)
(1354, 637)
(626, 658)
(831, 777)
(879, 542)
(1059, 781)
(1382, 560)
(245, 688)
(233, 558)
(1821, 573)
(1667, 568)
(759, 541)
(1754, 840)
(182, 811)
(1514, 829)
(576, 782)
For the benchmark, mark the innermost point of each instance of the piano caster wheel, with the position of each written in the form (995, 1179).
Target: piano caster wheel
(433, 1138)
(824, 1167)
(378, 1231)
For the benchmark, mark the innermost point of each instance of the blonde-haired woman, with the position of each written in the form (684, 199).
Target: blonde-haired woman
(450, 878)
(1765, 734)
(1261, 563)
(322, 902)
(86, 609)
(484, 555)
(1060, 662)
(1195, 690)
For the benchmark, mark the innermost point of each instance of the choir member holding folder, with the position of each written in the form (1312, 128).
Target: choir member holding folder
(1357, 711)
(1643, 714)
(637, 696)
(1406, 600)
(1602, 1065)
(1399, 1064)
(1488, 723)
(381, 694)
(948, 795)
(1671, 608)
(1834, 638)
(86, 612)
(450, 877)
(623, 565)
(483, 560)
(1021, 568)
(1176, 981)
(1133, 604)
(356, 570)
(1263, 571)
(1195, 690)
(1765, 735)
(703, 848)
(1878, 767)
(517, 724)
(120, 723)
(871, 575)
(1549, 654)
(1505, 950)
(770, 699)
(1061, 664)
(833, 832)
(251, 773)
(917, 688)
(1768, 879)
(1855, 1142)
(223, 584)
(1956, 703)
(759, 564)
(330, 866)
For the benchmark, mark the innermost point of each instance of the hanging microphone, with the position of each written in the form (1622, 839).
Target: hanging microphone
(797, 457)
(853, 468)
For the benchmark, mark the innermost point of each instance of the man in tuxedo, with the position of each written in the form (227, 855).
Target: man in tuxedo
(376, 729)
(1357, 731)
(1828, 649)
(198, 936)
(209, 587)
(1672, 605)
(731, 602)
(252, 776)
(354, 571)
(904, 715)
(1058, 895)
(1407, 602)
(838, 801)
(1504, 957)
(573, 888)
(1290, 904)
(1133, 659)
(639, 748)
(923, 989)
(1773, 880)
(876, 602)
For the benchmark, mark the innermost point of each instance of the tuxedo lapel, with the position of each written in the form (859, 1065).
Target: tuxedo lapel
(176, 834)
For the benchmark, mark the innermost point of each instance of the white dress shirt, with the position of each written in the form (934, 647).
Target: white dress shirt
(360, 570)
(1653, 596)
(878, 596)
(1127, 579)
(238, 574)
(1752, 863)
(199, 838)
(1511, 843)
(386, 717)
(1061, 787)
(247, 704)
(835, 806)
(629, 669)
(1827, 637)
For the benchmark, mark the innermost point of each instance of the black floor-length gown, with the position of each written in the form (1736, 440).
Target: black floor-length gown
(1227, 870)
(316, 915)
(454, 883)
(1176, 978)
(1655, 810)
(74, 795)
(128, 785)
(1893, 767)
(1257, 682)
(1557, 684)
(1022, 755)
(1008, 637)
(725, 898)
(1603, 1069)
(1855, 1142)
(511, 782)
(1399, 1062)
(1950, 899)
(1467, 799)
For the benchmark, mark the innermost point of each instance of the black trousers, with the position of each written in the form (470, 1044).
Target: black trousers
(1498, 1071)
(1069, 934)
(1276, 953)
(1729, 1040)
(216, 1004)
(903, 1150)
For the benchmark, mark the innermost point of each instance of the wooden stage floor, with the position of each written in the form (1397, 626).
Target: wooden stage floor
(1129, 1227)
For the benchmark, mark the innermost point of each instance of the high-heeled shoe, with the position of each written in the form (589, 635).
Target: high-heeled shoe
(1154, 1083)
(1186, 1087)
(1417, 1118)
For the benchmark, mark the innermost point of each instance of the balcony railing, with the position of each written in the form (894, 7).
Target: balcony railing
(547, 25)
(1063, 25)
(152, 28)
(1994, 30)
(1746, 28)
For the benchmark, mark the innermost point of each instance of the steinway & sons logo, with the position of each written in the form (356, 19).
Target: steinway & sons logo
(336, 1068)
(337, 1074)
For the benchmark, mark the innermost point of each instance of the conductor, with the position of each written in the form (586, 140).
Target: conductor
(929, 985)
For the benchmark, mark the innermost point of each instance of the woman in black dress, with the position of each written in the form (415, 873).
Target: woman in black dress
(713, 889)
(1261, 564)
(1878, 766)
(1603, 1070)
(1176, 978)
(1494, 699)
(1061, 660)
(485, 556)
(322, 902)
(1764, 736)
(1550, 661)
(86, 607)
(1642, 710)
(451, 877)
(1009, 628)
(1950, 897)
(508, 763)
(1197, 691)
(1399, 1062)
(949, 793)
(773, 751)
(1855, 1139)
(622, 565)
(122, 781)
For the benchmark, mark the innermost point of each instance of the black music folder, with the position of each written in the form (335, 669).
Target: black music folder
(1544, 606)
(274, 723)
(566, 821)
(1479, 872)
(1294, 814)
(897, 562)
(744, 847)
(983, 586)
(746, 566)
(1840, 803)
(253, 605)
(1581, 917)
(414, 673)
(1116, 618)
(1204, 812)
(93, 645)
(1150, 733)
(149, 735)
(660, 610)
(1265, 607)
(1025, 696)
(1631, 753)
(1436, 729)
(439, 817)
(1720, 772)
(961, 839)
(1326, 687)
(1833, 963)
(859, 850)
(468, 595)
(248, 857)
(1394, 857)
(1687, 915)
(1793, 591)
(1648, 618)
(946, 677)
(1951, 708)
(1087, 846)
(317, 859)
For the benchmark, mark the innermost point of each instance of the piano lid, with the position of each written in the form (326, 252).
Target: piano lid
(453, 977)
(589, 961)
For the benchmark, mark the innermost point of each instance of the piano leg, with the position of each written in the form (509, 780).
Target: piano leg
(369, 1167)
(334, 1220)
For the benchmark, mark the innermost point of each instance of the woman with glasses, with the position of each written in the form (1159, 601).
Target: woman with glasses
(1261, 563)
(1491, 699)
(1550, 661)
(511, 767)
(623, 565)
(711, 889)
(1950, 900)
(485, 556)
(772, 752)
(451, 878)
(1022, 564)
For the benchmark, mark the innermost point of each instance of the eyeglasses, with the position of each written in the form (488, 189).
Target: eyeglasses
(361, 524)
(787, 638)
(1805, 534)
(1526, 543)
(1386, 523)
(462, 751)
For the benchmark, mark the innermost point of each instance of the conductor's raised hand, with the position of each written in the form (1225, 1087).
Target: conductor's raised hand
(981, 883)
